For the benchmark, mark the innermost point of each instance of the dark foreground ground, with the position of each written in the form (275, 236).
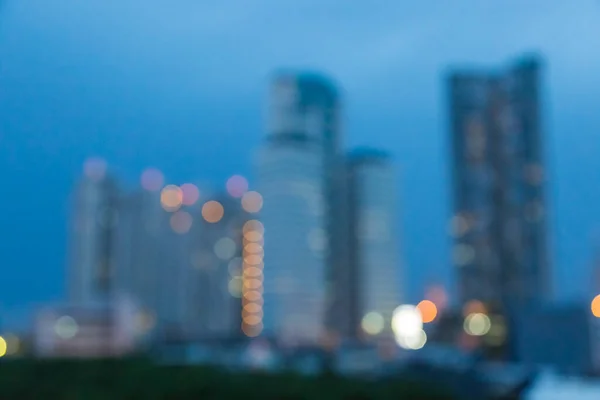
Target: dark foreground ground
(140, 379)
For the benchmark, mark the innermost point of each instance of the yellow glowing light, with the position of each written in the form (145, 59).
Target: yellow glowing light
(13, 344)
(596, 306)
(477, 324)
(181, 222)
(171, 198)
(3, 347)
(191, 194)
(212, 211)
(373, 323)
(152, 180)
(237, 185)
(252, 202)
(428, 310)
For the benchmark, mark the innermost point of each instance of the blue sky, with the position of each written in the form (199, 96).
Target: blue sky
(181, 85)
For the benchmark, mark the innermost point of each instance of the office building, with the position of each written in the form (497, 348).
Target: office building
(374, 268)
(300, 175)
(181, 261)
(563, 337)
(93, 330)
(499, 222)
(93, 235)
(216, 285)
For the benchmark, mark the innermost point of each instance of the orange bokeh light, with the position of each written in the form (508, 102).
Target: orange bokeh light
(596, 306)
(252, 330)
(252, 202)
(212, 211)
(253, 295)
(428, 310)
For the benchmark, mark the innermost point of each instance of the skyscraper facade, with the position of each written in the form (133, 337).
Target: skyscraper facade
(499, 222)
(183, 264)
(374, 262)
(300, 176)
(93, 239)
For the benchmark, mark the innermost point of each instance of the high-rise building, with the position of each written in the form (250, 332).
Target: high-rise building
(499, 222)
(374, 267)
(214, 305)
(93, 230)
(300, 177)
(182, 263)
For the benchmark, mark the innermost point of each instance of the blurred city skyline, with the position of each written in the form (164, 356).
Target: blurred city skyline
(182, 87)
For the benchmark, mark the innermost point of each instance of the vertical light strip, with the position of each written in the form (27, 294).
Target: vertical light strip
(252, 288)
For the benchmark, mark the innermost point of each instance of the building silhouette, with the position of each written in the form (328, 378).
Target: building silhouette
(499, 221)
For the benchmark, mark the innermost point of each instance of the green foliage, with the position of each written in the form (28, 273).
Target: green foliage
(140, 379)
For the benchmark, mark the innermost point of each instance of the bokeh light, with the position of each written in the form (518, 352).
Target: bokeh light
(438, 295)
(252, 319)
(3, 347)
(225, 248)
(407, 320)
(428, 311)
(237, 185)
(171, 198)
(414, 341)
(235, 287)
(66, 327)
(191, 194)
(181, 222)
(235, 266)
(253, 295)
(474, 307)
(477, 324)
(95, 168)
(253, 248)
(13, 344)
(152, 180)
(212, 211)
(595, 306)
(253, 230)
(373, 323)
(252, 330)
(252, 288)
(252, 202)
